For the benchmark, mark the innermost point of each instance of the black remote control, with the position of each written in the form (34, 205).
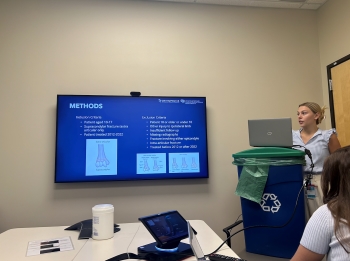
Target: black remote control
(217, 257)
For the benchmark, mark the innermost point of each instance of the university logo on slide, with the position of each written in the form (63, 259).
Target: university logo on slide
(270, 199)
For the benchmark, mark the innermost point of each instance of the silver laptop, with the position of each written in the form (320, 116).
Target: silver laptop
(270, 132)
(196, 248)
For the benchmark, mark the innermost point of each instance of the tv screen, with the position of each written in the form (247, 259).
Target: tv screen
(110, 138)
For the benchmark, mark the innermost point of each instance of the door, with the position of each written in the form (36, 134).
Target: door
(339, 98)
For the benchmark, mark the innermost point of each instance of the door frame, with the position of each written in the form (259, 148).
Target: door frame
(330, 88)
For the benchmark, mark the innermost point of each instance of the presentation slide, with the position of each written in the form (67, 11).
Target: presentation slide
(101, 138)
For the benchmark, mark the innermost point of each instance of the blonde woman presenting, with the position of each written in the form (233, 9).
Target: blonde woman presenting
(321, 143)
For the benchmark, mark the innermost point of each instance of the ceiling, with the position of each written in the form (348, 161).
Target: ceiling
(293, 4)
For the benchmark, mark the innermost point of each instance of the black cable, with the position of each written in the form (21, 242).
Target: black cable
(309, 175)
(263, 226)
(148, 257)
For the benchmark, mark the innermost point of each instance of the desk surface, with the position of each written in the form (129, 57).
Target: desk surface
(14, 243)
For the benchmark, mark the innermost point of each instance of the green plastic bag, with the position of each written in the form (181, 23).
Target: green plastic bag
(255, 172)
(252, 182)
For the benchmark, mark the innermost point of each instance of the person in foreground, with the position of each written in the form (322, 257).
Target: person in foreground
(328, 230)
(321, 144)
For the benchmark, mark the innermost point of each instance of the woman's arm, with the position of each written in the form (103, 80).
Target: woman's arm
(304, 254)
(333, 143)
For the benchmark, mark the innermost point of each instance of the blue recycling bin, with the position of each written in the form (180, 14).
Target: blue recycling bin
(277, 204)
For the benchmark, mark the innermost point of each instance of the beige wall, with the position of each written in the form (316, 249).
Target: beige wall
(334, 36)
(248, 62)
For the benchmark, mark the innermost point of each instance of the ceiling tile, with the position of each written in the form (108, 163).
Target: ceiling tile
(224, 2)
(310, 6)
(294, 4)
(275, 4)
(180, 1)
(315, 1)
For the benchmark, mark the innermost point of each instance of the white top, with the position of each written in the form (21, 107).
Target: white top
(318, 146)
(319, 236)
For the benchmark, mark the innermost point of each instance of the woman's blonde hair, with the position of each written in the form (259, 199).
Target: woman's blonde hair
(315, 108)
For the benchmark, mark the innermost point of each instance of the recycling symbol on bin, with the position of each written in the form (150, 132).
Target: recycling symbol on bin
(267, 197)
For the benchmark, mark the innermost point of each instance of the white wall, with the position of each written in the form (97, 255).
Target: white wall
(334, 37)
(248, 62)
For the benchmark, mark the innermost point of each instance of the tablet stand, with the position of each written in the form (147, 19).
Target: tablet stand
(170, 253)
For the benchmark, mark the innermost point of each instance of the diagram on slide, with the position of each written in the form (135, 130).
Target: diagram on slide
(101, 157)
(153, 163)
(183, 162)
(101, 160)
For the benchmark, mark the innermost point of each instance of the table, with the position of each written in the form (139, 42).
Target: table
(14, 242)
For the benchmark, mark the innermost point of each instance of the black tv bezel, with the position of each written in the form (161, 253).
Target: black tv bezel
(131, 179)
(173, 242)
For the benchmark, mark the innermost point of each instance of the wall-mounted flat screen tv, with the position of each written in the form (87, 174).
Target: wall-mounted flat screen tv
(111, 138)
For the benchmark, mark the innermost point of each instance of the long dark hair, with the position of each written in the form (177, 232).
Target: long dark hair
(335, 182)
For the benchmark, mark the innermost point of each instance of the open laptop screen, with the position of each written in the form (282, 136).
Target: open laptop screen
(270, 132)
(196, 248)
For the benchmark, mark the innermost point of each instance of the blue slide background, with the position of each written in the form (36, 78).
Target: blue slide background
(73, 148)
